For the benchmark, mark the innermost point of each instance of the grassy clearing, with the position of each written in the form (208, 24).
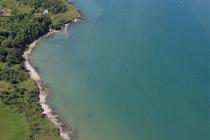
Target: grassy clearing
(4, 86)
(66, 17)
(57, 19)
(17, 8)
(3, 22)
(13, 126)
(28, 84)
(21, 118)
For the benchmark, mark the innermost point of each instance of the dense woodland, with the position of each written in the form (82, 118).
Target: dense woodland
(19, 93)
(22, 30)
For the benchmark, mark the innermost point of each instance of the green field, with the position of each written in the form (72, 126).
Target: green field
(13, 126)
(21, 117)
(68, 16)
(24, 7)
(16, 6)
(3, 22)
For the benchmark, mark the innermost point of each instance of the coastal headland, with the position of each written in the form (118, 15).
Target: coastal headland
(23, 94)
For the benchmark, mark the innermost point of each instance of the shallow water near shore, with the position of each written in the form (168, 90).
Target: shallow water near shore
(132, 70)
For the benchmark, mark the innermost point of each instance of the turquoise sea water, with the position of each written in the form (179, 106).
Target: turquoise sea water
(132, 70)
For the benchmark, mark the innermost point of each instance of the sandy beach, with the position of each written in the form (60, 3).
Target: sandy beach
(64, 129)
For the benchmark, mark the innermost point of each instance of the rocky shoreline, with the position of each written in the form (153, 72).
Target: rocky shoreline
(64, 129)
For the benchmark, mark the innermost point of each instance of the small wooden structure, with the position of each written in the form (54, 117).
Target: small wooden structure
(46, 12)
(6, 12)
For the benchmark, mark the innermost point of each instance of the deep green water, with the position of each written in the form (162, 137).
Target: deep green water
(132, 70)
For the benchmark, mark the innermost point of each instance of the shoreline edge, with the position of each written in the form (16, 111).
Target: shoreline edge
(64, 129)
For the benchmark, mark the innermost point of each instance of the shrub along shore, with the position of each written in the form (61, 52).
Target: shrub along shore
(19, 94)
